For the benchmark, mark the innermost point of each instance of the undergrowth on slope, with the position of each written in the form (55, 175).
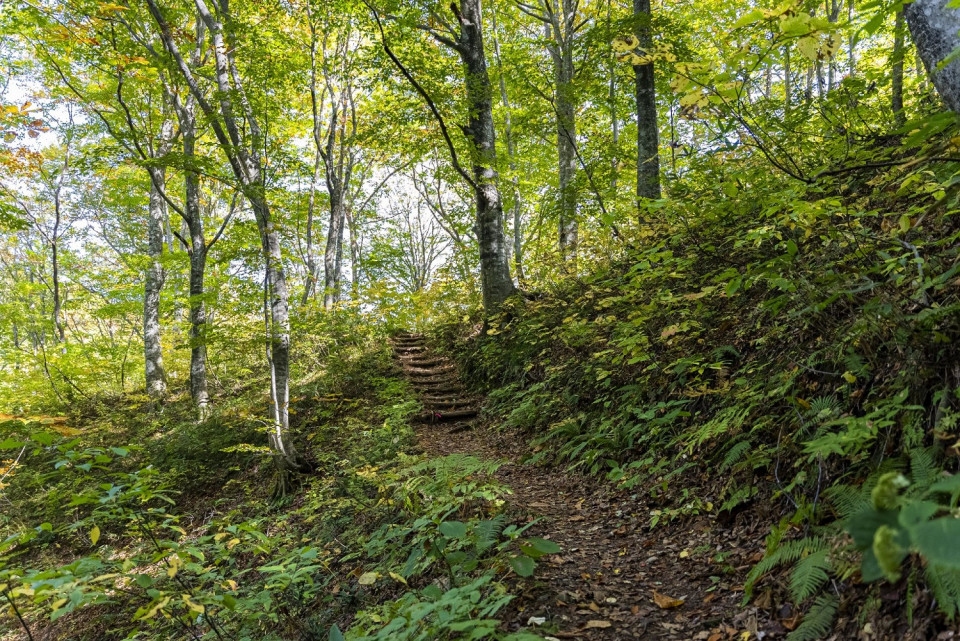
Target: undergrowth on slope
(798, 341)
(149, 525)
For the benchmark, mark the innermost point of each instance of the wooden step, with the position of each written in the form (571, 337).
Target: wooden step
(446, 417)
(425, 373)
(446, 387)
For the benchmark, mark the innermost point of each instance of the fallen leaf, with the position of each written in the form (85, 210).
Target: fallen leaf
(367, 578)
(597, 624)
(792, 622)
(710, 597)
(666, 602)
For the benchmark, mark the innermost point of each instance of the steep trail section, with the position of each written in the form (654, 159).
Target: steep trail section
(437, 383)
(615, 578)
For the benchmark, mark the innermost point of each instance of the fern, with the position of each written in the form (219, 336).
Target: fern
(786, 553)
(818, 621)
(945, 585)
(846, 499)
(923, 467)
(740, 496)
(824, 406)
(809, 575)
(488, 532)
(734, 454)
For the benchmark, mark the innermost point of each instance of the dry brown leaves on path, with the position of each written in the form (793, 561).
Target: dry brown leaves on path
(615, 578)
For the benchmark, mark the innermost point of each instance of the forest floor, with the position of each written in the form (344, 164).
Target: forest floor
(616, 577)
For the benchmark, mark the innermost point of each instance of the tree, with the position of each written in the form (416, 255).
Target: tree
(648, 138)
(935, 29)
(154, 277)
(244, 156)
(466, 41)
(561, 23)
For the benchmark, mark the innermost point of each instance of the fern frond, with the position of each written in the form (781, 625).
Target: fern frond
(809, 575)
(846, 499)
(786, 553)
(923, 467)
(818, 622)
(825, 405)
(945, 585)
(734, 454)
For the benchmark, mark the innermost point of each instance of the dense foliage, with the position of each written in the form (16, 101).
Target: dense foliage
(707, 252)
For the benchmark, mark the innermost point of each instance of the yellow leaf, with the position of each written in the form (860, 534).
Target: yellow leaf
(368, 578)
(397, 577)
(849, 377)
(809, 47)
(685, 554)
(95, 535)
(803, 403)
(194, 607)
(173, 567)
(623, 44)
(666, 602)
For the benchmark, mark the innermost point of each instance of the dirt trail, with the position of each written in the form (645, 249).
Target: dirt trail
(614, 578)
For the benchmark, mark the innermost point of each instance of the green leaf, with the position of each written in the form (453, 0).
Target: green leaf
(335, 634)
(862, 525)
(453, 529)
(916, 512)
(544, 546)
(754, 16)
(523, 565)
(937, 541)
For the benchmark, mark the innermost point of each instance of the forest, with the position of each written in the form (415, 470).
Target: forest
(490, 319)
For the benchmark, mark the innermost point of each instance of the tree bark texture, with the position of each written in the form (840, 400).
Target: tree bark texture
(496, 283)
(648, 140)
(154, 278)
(934, 28)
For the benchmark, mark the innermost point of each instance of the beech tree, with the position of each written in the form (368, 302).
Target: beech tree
(244, 154)
(465, 38)
(935, 29)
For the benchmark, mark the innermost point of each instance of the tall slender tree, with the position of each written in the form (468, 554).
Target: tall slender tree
(648, 138)
(244, 154)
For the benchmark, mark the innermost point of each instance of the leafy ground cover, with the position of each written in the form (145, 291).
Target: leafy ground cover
(784, 354)
(139, 525)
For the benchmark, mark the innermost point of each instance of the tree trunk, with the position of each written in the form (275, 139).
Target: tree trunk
(279, 336)
(153, 282)
(787, 84)
(896, 79)
(561, 52)
(516, 206)
(55, 247)
(934, 28)
(312, 268)
(198, 262)
(331, 276)
(648, 142)
(851, 41)
(496, 284)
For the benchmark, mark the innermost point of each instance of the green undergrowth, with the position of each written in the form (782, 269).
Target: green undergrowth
(768, 340)
(137, 522)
